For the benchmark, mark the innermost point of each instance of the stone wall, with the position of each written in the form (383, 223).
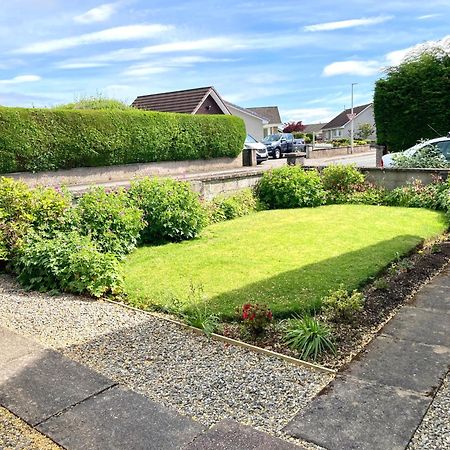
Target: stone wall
(337, 151)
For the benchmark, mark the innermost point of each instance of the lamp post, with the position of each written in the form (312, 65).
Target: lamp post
(351, 123)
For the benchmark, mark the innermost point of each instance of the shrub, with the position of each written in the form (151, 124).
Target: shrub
(368, 195)
(48, 139)
(341, 305)
(110, 221)
(290, 187)
(341, 180)
(68, 262)
(95, 102)
(426, 157)
(172, 210)
(226, 208)
(309, 337)
(255, 317)
(341, 142)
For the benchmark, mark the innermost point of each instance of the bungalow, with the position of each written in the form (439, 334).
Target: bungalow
(272, 114)
(205, 100)
(340, 126)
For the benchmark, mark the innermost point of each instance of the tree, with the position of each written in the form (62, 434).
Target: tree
(365, 130)
(413, 100)
(291, 127)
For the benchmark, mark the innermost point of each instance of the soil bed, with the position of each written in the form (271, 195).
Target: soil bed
(382, 299)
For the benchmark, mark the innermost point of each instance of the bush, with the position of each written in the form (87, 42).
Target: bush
(341, 180)
(69, 262)
(341, 305)
(226, 208)
(341, 142)
(427, 157)
(172, 210)
(309, 337)
(255, 317)
(368, 195)
(96, 102)
(290, 187)
(112, 223)
(49, 139)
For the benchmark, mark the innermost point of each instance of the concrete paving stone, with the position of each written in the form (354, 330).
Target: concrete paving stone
(120, 419)
(230, 435)
(404, 364)
(41, 384)
(420, 325)
(443, 279)
(433, 296)
(358, 415)
(13, 346)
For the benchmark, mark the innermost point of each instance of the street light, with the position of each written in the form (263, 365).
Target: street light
(351, 123)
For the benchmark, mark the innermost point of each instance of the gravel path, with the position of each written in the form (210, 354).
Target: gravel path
(202, 378)
(15, 434)
(434, 431)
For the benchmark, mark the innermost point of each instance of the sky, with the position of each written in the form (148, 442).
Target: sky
(301, 56)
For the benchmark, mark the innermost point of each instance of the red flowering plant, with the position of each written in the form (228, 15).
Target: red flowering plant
(255, 317)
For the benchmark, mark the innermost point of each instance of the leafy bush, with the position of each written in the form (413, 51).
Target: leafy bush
(341, 180)
(290, 187)
(341, 305)
(111, 222)
(309, 337)
(426, 157)
(368, 195)
(48, 139)
(226, 208)
(68, 262)
(341, 142)
(96, 102)
(255, 317)
(172, 210)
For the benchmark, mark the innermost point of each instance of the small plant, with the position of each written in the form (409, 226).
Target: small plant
(309, 337)
(255, 317)
(400, 265)
(341, 305)
(380, 284)
(226, 208)
(340, 181)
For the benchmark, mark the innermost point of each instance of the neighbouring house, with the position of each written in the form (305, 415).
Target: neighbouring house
(340, 126)
(204, 100)
(272, 114)
(254, 123)
(315, 128)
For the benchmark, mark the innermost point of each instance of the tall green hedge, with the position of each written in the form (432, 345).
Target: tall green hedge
(411, 99)
(44, 139)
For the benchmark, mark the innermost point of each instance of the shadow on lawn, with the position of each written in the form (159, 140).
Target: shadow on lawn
(300, 290)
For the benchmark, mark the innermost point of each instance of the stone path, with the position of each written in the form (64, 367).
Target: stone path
(80, 409)
(381, 399)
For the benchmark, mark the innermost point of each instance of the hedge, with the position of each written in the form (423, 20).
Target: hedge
(43, 139)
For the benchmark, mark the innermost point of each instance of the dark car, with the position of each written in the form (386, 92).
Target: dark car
(299, 145)
(278, 144)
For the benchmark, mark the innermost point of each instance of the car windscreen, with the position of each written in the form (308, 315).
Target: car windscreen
(272, 138)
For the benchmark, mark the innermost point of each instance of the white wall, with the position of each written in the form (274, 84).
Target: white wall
(253, 125)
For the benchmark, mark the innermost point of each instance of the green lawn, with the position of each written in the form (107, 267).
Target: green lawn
(286, 258)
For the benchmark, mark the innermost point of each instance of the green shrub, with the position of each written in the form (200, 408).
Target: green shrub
(49, 139)
(368, 195)
(290, 187)
(340, 142)
(95, 102)
(309, 337)
(226, 208)
(340, 181)
(254, 317)
(172, 210)
(341, 305)
(426, 157)
(112, 223)
(68, 262)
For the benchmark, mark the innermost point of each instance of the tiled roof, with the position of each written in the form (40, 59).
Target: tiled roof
(270, 112)
(246, 110)
(178, 101)
(313, 127)
(341, 119)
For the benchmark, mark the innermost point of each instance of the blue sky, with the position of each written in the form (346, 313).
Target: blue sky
(299, 55)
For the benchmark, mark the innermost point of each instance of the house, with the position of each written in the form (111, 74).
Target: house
(272, 114)
(204, 100)
(340, 126)
(315, 128)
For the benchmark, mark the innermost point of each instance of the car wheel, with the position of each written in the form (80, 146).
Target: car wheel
(277, 153)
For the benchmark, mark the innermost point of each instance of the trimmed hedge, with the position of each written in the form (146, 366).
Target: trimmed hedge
(44, 139)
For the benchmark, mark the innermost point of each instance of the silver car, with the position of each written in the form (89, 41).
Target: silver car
(261, 149)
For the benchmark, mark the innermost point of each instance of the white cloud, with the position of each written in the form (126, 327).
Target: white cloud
(21, 79)
(329, 26)
(360, 68)
(98, 14)
(116, 34)
(428, 16)
(309, 115)
(80, 65)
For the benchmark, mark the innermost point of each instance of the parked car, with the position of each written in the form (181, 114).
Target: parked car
(299, 145)
(442, 144)
(278, 144)
(261, 149)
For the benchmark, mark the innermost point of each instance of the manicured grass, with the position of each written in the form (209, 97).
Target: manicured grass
(288, 259)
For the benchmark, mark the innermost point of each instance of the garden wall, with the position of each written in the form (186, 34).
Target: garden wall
(338, 151)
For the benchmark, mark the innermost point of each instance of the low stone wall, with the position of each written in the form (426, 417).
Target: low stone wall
(337, 151)
(106, 174)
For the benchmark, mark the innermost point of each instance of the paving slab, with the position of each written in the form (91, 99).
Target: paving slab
(420, 325)
(120, 419)
(13, 346)
(443, 279)
(230, 435)
(433, 296)
(41, 384)
(360, 415)
(404, 364)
